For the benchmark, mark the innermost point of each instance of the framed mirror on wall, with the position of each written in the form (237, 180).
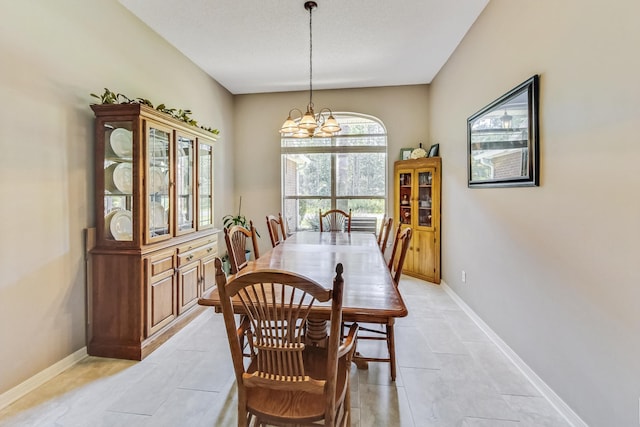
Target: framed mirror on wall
(503, 140)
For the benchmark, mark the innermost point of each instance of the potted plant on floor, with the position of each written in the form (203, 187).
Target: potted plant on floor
(229, 221)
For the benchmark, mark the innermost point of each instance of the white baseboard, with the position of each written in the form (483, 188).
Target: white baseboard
(542, 387)
(10, 396)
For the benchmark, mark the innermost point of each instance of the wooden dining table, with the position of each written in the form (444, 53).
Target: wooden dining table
(369, 295)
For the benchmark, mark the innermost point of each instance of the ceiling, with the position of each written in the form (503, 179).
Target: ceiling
(254, 46)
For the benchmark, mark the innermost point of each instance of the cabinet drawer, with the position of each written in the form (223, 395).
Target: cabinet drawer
(196, 254)
(194, 244)
(160, 263)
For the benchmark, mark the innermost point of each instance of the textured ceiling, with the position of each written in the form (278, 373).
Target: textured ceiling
(253, 46)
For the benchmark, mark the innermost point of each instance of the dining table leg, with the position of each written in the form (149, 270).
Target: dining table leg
(316, 333)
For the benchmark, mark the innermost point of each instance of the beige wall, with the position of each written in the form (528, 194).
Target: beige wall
(554, 269)
(402, 109)
(53, 54)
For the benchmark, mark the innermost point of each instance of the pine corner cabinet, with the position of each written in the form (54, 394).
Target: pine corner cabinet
(417, 205)
(155, 241)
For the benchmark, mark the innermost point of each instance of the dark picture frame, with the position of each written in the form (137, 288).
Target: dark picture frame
(434, 150)
(502, 139)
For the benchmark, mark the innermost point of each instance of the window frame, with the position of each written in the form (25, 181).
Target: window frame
(334, 149)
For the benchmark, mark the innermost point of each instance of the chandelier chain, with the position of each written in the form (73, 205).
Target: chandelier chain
(311, 56)
(310, 124)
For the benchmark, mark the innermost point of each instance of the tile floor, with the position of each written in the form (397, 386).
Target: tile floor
(449, 374)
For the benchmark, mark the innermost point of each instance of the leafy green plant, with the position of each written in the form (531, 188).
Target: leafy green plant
(109, 97)
(208, 129)
(229, 221)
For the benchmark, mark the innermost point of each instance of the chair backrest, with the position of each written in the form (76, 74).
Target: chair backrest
(383, 236)
(335, 220)
(277, 304)
(399, 252)
(277, 233)
(236, 239)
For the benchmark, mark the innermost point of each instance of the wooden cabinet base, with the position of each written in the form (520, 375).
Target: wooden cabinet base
(140, 350)
(422, 277)
(139, 299)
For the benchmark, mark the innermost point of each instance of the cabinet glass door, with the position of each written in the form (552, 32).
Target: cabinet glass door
(185, 202)
(157, 188)
(425, 178)
(405, 194)
(118, 180)
(205, 186)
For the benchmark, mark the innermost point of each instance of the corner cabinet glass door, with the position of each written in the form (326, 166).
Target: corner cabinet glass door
(158, 183)
(205, 186)
(118, 181)
(424, 200)
(405, 194)
(185, 176)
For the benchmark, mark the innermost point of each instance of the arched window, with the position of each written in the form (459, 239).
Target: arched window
(346, 171)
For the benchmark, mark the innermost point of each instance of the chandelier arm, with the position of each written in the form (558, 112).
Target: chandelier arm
(296, 109)
(326, 109)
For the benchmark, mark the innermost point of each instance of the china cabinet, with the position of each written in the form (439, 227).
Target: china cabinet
(155, 240)
(417, 205)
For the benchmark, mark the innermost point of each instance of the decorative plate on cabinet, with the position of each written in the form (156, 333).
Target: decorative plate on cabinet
(418, 153)
(119, 224)
(158, 180)
(158, 217)
(123, 177)
(121, 141)
(118, 178)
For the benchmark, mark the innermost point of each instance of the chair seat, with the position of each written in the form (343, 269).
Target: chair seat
(282, 406)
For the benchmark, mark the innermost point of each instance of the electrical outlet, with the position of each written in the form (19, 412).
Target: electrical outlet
(464, 276)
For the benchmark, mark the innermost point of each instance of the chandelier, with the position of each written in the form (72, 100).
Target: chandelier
(310, 124)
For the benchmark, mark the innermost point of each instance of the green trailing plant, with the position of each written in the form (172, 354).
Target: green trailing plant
(109, 97)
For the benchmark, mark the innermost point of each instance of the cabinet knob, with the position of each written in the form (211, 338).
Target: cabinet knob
(190, 257)
(209, 249)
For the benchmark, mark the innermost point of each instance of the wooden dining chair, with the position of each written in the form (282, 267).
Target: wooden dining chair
(399, 252)
(385, 332)
(383, 236)
(335, 220)
(288, 382)
(277, 233)
(236, 239)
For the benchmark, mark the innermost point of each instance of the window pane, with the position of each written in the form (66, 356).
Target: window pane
(346, 171)
(362, 207)
(306, 142)
(304, 214)
(307, 174)
(366, 214)
(367, 141)
(358, 125)
(361, 174)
